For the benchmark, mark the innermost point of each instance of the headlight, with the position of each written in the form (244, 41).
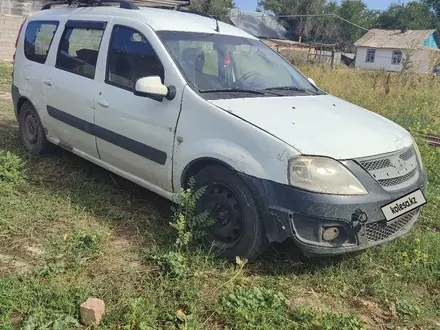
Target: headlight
(416, 148)
(323, 175)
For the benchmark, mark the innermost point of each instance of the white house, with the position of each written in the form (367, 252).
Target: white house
(392, 50)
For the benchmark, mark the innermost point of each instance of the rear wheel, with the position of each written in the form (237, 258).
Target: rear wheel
(238, 230)
(32, 131)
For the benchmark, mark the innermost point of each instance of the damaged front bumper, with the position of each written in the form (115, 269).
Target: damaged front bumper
(289, 212)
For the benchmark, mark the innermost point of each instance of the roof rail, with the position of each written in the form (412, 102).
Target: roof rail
(175, 4)
(91, 3)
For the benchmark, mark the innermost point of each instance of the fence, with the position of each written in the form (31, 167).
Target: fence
(9, 26)
(300, 53)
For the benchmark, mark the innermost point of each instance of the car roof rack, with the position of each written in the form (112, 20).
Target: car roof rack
(175, 4)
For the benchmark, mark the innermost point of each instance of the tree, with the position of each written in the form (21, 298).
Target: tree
(319, 25)
(356, 12)
(413, 16)
(297, 26)
(434, 5)
(217, 8)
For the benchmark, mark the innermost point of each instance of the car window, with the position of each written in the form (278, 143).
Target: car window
(131, 57)
(78, 50)
(222, 62)
(38, 38)
(247, 58)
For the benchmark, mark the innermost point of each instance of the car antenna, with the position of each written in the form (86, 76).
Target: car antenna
(217, 27)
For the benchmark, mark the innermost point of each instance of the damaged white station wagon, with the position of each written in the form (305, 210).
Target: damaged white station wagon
(158, 96)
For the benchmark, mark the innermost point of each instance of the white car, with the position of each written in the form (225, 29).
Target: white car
(158, 96)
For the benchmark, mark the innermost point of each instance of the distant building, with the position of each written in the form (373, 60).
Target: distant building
(260, 25)
(20, 7)
(393, 50)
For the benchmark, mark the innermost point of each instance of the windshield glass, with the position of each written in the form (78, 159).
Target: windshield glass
(215, 62)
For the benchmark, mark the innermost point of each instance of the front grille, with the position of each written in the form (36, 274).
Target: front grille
(376, 164)
(407, 154)
(393, 171)
(398, 180)
(381, 230)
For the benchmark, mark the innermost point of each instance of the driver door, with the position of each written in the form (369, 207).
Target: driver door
(136, 133)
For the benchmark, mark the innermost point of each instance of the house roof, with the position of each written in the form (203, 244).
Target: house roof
(394, 38)
(258, 24)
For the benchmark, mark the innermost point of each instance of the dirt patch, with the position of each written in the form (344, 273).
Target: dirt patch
(5, 96)
(368, 312)
(10, 264)
(33, 251)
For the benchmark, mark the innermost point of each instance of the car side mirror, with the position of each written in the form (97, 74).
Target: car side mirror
(312, 82)
(153, 88)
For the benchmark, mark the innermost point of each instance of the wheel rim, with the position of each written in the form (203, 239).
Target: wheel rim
(30, 129)
(224, 206)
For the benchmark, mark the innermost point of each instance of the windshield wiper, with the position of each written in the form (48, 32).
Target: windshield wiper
(234, 90)
(291, 88)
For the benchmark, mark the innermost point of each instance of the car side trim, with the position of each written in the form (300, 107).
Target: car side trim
(139, 148)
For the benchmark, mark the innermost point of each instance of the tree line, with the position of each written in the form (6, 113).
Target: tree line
(327, 27)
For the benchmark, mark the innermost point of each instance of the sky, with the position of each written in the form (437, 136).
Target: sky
(372, 4)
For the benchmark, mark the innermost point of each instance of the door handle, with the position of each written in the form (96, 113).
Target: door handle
(103, 103)
(48, 82)
(27, 78)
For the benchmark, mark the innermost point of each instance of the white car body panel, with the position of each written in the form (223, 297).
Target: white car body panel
(321, 125)
(138, 118)
(210, 132)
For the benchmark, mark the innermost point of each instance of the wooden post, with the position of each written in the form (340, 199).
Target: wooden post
(332, 63)
(320, 54)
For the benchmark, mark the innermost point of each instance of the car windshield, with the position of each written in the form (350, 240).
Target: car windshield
(215, 63)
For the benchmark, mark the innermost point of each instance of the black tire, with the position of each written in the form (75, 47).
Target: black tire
(237, 216)
(32, 131)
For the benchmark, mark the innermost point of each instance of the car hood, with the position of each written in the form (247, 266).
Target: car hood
(321, 125)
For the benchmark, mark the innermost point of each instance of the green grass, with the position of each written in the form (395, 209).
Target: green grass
(70, 230)
(5, 75)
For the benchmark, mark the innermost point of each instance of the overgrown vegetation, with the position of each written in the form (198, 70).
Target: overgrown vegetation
(70, 230)
(316, 21)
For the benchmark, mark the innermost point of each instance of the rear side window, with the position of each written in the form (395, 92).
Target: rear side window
(78, 49)
(131, 57)
(38, 38)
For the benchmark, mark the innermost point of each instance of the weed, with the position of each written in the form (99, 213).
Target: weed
(416, 257)
(11, 171)
(189, 224)
(171, 262)
(42, 321)
(261, 308)
(255, 308)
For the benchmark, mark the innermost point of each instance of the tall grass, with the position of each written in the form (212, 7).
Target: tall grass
(411, 100)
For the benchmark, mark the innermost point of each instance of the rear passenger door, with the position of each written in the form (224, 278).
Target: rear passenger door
(135, 133)
(70, 85)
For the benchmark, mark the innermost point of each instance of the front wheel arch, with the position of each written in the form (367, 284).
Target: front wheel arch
(253, 240)
(197, 165)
